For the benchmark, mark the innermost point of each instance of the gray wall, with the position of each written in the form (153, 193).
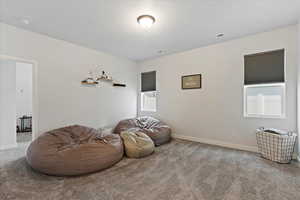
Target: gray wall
(61, 99)
(214, 114)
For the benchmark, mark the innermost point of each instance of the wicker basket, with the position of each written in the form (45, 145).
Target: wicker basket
(275, 147)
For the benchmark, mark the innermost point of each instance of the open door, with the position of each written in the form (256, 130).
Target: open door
(7, 104)
(17, 92)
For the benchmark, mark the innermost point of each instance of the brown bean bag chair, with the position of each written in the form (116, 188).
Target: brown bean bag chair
(158, 131)
(74, 150)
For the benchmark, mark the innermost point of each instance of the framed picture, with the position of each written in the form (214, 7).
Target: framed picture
(191, 81)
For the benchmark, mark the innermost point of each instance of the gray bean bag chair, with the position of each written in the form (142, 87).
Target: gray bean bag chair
(74, 150)
(157, 130)
(137, 144)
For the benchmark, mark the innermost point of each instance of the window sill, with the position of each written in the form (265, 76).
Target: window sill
(149, 111)
(264, 117)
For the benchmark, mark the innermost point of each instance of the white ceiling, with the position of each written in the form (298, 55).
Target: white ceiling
(110, 25)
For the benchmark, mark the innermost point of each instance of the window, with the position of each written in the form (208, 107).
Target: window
(148, 91)
(265, 100)
(264, 85)
(148, 101)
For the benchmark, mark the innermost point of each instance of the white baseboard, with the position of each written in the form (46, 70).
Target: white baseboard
(10, 146)
(217, 143)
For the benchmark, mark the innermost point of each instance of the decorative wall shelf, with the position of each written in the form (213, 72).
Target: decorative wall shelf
(119, 85)
(86, 83)
(90, 81)
(104, 79)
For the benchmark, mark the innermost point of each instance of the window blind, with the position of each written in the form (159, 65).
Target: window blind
(148, 81)
(267, 67)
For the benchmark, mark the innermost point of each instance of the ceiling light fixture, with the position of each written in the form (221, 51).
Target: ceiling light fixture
(220, 35)
(146, 21)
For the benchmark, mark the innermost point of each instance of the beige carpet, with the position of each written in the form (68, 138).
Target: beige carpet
(177, 171)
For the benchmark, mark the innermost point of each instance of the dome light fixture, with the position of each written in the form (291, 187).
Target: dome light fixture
(146, 21)
(220, 35)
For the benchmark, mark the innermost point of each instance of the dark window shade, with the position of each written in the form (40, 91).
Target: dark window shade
(148, 81)
(267, 67)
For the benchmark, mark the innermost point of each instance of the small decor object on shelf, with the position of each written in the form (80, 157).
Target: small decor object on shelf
(90, 80)
(95, 76)
(104, 77)
(191, 81)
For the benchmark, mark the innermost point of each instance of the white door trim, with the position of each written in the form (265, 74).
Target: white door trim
(34, 90)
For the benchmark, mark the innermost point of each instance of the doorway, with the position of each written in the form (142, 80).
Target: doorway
(17, 102)
(24, 102)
